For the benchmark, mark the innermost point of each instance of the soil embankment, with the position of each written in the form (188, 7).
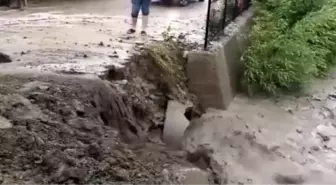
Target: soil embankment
(58, 129)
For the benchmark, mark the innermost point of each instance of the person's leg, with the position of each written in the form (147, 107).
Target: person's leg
(136, 5)
(145, 12)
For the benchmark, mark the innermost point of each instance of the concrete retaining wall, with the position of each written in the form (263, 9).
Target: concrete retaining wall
(214, 76)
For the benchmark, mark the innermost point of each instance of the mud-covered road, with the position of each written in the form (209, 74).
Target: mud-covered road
(88, 36)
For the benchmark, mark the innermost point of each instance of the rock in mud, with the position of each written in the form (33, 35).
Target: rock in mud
(4, 58)
(201, 157)
(79, 107)
(185, 175)
(326, 131)
(5, 123)
(289, 179)
(122, 175)
(299, 130)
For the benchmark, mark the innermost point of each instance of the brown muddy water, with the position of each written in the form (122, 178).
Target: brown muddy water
(286, 141)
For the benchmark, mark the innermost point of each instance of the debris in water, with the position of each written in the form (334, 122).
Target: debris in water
(315, 148)
(289, 179)
(332, 96)
(114, 56)
(201, 157)
(299, 130)
(5, 58)
(290, 111)
(316, 98)
(324, 137)
(101, 43)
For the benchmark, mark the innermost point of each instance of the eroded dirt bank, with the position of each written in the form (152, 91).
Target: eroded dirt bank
(72, 130)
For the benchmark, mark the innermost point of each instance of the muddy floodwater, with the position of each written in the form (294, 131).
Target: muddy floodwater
(290, 140)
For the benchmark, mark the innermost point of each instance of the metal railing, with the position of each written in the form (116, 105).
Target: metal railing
(220, 14)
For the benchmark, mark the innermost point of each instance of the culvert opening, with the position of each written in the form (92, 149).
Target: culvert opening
(191, 113)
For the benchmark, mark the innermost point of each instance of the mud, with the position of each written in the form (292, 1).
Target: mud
(74, 130)
(79, 129)
(70, 129)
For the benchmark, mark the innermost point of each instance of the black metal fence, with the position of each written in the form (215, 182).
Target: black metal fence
(220, 14)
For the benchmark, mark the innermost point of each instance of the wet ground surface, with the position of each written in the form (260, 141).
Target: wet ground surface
(89, 36)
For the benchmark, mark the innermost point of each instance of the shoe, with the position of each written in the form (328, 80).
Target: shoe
(143, 33)
(131, 31)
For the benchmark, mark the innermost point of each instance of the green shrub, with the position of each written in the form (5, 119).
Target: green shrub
(318, 31)
(292, 41)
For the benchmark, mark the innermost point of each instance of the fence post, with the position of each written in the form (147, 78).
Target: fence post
(235, 10)
(207, 26)
(224, 14)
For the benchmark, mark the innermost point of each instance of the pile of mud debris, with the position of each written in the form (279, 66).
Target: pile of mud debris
(73, 130)
(70, 129)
